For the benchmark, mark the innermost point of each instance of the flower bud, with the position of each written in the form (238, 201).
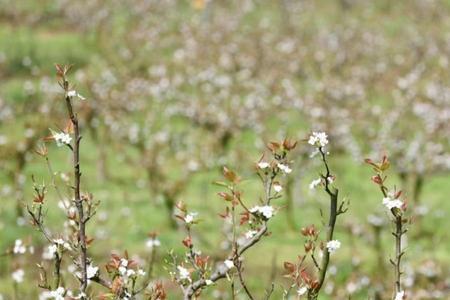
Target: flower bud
(187, 242)
(377, 179)
(308, 246)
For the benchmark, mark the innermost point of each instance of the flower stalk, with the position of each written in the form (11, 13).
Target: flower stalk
(397, 207)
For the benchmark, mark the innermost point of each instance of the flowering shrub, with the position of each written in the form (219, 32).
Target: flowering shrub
(74, 242)
(249, 226)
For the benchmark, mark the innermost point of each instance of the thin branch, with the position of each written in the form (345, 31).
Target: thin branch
(241, 280)
(57, 271)
(315, 262)
(333, 213)
(77, 193)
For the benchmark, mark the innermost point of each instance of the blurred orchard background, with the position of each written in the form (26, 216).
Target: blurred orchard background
(177, 89)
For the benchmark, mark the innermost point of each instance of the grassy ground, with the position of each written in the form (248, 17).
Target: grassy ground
(132, 212)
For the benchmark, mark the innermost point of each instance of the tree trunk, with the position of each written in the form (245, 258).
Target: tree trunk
(290, 215)
(417, 188)
(169, 203)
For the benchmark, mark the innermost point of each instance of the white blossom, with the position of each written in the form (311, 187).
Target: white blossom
(263, 165)
(59, 241)
(192, 165)
(127, 296)
(184, 273)
(57, 294)
(122, 270)
(301, 291)
(399, 295)
(285, 168)
(267, 211)
(91, 271)
(18, 275)
(333, 245)
(123, 267)
(71, 268)
(151, 243)
(319, 139)
(63, 243)
(315, 183)
(124, 262)
(73, 93)
(352, 287)
(392, 203)
(64, 204)
(229, 264)
(277, 187)
(251, 233)
(49, 252)
(65, 177)
(61, 138)
(19, 247)
(190, 217)
(208, 282)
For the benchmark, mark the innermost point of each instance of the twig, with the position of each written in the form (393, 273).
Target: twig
(333, 213)
(77, 180)
(241, 280)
